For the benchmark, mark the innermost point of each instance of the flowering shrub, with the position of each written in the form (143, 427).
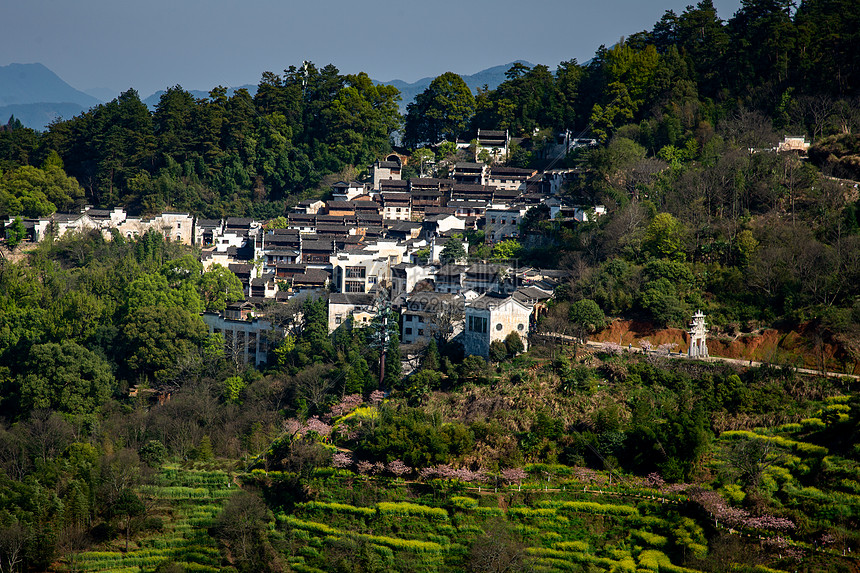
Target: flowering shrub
(295, 427)
(376, 397)
(612, 348)
(341, 460)
(654, 481)
(715, 505)
(398, 468)
(346, 405)
(667, 347)
(514, 475)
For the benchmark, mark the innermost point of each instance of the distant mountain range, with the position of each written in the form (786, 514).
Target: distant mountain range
(37, 96)
(491, 77)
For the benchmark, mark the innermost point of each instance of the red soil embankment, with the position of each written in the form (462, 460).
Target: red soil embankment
(803, 347)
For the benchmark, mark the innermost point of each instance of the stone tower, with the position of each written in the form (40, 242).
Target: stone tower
(698, 336)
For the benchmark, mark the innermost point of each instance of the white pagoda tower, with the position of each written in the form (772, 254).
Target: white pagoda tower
(698, 336)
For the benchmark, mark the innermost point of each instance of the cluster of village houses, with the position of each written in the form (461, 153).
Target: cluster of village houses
(385, 235)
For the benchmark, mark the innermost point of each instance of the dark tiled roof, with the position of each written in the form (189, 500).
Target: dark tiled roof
(388, 164)
(491, 133)
(464, 165)
(311, 277)
(354, 298)
(239, 268)
(451, 270)
(318, 245)
(239, 221)
(511, 171)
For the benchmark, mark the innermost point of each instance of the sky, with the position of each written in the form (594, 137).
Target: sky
(200, 44)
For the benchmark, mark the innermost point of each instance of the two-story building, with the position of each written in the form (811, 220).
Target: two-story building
(343, 306)
(493, 317)
(428, 314)
(503, 222)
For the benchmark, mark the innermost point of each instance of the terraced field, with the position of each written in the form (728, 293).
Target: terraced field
(187, 502)
(563, 530)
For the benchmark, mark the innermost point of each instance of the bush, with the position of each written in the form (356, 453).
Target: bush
(153, 453)
(498, 351)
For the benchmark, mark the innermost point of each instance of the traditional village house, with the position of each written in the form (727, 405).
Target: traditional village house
(468, 209)
(429, 192)
(309, 206)
(393, 186)
(385, 170)
(440, 225)
(63, 223)
(346, 191)
(428, 314)
(482, 278)
(177, 227)
(403, 230)
(207, 231)
(263, 287)
(492, 317)
(494, 142)
(470, 173)
(362, 270)
(405, 276)
(510, 178)
(396, 206)
(317, 252)
(503, 222)
(246, 339)
(340, 208)
(343, 306)
(449, 278)
(34, 229)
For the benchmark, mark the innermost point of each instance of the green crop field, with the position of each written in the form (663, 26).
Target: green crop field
(187, 502)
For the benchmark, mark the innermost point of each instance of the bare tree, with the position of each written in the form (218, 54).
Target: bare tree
(242, 527)
(846, 115)
(46, 434)
(815, 111)
(13, 542)
(749, 129)
(314, 384)
(499, 550)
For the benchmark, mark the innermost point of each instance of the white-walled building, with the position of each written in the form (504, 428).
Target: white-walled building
(177, 227)
(405, 276)
(346, 190)
(388, 170)
(362, 270)
(396, 206)
(503, 222)
(245, 341)
(429, 314)
(492, 317)
(342, 306)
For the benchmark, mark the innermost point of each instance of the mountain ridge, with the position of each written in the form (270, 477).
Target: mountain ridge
(37, 96)
(490, 77)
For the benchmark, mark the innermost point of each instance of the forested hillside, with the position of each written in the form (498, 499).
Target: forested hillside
(131, 440)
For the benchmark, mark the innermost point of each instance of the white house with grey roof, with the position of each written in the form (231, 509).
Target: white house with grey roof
(343, 306)
(492, 317)
(428, 314)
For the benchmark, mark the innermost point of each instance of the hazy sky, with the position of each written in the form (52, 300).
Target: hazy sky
(199, 44)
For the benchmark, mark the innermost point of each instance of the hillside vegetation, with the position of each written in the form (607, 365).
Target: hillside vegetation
(131, 441)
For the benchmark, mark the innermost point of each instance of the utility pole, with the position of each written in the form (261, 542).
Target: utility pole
(384, 348)
(382, 336)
